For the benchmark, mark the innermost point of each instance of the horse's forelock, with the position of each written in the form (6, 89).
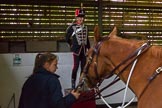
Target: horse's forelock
(156, 51)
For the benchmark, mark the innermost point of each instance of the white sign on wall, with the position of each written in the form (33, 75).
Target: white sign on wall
(17, 60)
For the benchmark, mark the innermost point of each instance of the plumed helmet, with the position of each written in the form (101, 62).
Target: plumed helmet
(79, 13)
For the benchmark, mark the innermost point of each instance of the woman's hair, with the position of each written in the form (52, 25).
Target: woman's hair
(42, 58)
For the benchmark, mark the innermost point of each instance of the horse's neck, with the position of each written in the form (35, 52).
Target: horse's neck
(124, 49)
(119, 49)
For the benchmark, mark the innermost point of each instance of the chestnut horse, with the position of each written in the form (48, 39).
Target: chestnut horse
(110, 51)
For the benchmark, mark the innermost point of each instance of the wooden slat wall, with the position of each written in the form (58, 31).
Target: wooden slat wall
(138, 18)
(44, 21)
(48, 20)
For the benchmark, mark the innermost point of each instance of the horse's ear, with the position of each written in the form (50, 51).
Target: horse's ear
(114, 32)
(96, 34)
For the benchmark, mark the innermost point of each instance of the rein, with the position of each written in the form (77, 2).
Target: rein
(154, 75)
(134, 54)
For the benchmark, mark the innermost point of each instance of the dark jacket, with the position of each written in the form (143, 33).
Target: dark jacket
(72, 40)
(43, 90)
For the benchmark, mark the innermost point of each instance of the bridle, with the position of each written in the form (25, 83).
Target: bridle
(93, 58)
(96, 51)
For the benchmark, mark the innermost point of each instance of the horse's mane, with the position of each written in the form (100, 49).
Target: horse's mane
(128, 41)
(156, 51)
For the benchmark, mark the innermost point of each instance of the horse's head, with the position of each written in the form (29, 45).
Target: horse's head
(98, 64)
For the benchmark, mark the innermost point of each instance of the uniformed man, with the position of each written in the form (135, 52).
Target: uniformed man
(77, 38)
